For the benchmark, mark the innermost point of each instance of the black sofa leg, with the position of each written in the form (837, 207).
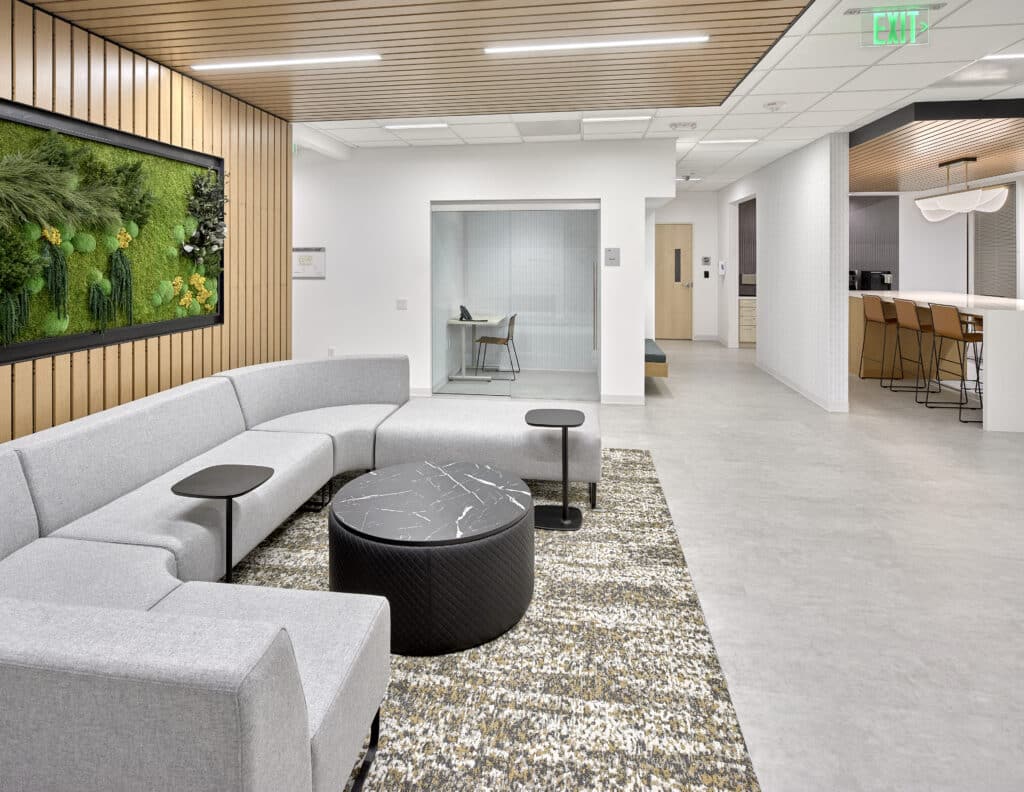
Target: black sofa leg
(593, 494)
(371, 754)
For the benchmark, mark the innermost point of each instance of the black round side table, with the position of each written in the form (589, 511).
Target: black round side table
(564, 517)
(223, 482)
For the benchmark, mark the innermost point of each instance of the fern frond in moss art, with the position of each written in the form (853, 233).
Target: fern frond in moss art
(55, 269)
(17, 272)
(121, 283)
(205, 245)
(33, 191)
(13, 314)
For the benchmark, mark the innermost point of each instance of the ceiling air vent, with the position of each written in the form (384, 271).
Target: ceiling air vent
(548, 128)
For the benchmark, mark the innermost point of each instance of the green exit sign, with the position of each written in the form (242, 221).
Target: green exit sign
(894, 27)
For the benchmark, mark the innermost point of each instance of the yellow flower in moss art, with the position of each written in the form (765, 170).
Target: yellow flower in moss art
(186, 299)
(51, 235)
(123, 238)
(177, 283)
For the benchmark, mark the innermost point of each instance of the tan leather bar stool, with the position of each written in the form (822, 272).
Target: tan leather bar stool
(909, 318)
(884, 315)
(950, 326)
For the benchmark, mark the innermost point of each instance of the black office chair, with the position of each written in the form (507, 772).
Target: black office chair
(508, 342)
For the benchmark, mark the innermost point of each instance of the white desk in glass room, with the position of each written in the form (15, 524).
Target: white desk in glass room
(484, 322)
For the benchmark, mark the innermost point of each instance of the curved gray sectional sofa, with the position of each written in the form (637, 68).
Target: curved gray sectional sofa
(124, 667)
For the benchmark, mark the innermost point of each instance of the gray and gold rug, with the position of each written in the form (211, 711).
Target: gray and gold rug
(610, 681)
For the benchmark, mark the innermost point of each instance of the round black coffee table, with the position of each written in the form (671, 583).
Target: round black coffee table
(449, 545)
(564, 517)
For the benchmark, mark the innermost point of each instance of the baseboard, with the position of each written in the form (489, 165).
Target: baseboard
(421, 392)
(825, 404)
(613, 398)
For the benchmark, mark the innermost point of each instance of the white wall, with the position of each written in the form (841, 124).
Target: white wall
(700, 210)
(933, 256)
(802, 268)
(372, 213)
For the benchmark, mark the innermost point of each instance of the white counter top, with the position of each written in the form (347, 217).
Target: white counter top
(972, 303)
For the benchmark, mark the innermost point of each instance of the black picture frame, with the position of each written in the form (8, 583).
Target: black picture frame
(86, 130)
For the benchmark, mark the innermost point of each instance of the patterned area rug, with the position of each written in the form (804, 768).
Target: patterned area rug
(610, 681)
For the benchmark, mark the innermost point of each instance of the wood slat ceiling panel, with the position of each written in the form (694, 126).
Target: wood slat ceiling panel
(907, 159)
(433, 61)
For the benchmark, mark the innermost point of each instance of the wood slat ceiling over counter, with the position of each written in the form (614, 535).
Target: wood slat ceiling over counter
(907, 158)
(433, 63)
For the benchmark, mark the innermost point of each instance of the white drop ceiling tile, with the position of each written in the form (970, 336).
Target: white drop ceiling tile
(861, 100)
(688, 112)
(779, 50)
(754, 120)
(551, 138)
(437, 142)
(985, 12)
(486, 141)
(835, 118)
(911, 76)
(416, 135)
(664, 124)
(364, 135)
(736, 134)
(797, 133)
(813, 16)
(665, 133)
(587, 135)
(806, 80)
(954, 93)
(1017, 92)
(393, 143)
(834, 49)
(478, 119)
(967, 43)
(791, 103)
(634, 128)
(471, 131)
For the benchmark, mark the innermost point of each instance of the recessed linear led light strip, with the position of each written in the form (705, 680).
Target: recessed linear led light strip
(587, 45)
(1005, 56)
(266, 64)
(415, 126)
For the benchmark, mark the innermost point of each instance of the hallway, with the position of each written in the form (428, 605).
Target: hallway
(867, 614)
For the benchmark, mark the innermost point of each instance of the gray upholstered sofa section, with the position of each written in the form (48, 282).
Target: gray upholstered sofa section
(97, 699)
(491, 432)
(345, 398)
(18, 525)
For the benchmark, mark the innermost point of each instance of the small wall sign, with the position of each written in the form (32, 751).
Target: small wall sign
(894, 27)
(309, 262)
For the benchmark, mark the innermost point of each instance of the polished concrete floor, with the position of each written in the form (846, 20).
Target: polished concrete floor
(862, 574)
(530, 384)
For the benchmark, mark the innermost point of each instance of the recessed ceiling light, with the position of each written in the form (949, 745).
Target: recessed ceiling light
(607, 119)
(727, 142)
(1005, 56)
(688, 178)
(265, 64)
(416, 126)
(586, 45)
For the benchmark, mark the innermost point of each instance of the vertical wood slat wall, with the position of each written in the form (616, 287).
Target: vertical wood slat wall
(47, 63)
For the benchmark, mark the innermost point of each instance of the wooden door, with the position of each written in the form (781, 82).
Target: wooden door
(673, 281)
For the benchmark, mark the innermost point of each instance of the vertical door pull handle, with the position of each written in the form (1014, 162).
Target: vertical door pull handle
(679, 265)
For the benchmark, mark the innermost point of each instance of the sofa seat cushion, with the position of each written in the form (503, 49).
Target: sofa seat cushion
(351, 427)
(342, 646)
(97, 574)
(18, 526)
(490, 432)
(192, 529)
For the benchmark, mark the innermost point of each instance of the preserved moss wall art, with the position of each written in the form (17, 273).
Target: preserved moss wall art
(104, 237)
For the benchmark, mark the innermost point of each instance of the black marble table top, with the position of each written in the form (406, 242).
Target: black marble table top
(424, 503)
(555, 418)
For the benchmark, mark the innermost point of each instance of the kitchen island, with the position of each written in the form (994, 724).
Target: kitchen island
(1002, 361)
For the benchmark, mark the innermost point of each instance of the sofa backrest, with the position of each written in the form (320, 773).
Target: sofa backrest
(271, 390)
(77, 467)
(18, 525)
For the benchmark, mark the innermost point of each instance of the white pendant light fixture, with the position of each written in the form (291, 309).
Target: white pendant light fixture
(937, 208)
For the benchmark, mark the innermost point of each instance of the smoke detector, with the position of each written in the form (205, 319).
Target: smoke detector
(774, 107)
(688, 178)
(678, 125)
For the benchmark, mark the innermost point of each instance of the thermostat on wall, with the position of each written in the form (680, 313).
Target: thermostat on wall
(611, 257)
